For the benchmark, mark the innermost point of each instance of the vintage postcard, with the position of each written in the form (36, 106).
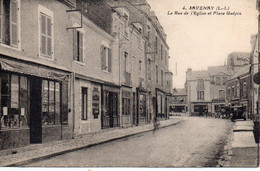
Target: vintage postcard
(129, 83)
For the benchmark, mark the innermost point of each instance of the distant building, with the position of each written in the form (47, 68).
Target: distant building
(206, 90)
(178, 103)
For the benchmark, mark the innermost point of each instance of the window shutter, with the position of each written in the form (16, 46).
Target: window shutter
(109, 60)
(75, 42)
(80, 47)
(14, 26)
(103, 58)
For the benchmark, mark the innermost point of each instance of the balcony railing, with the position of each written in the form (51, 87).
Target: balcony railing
(128, 78)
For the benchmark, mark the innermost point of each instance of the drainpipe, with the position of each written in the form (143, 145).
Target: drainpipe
(73, 105)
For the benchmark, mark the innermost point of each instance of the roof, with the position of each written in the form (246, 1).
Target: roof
(179, 92)
(215, 70)
(243, 71)
(199, 74)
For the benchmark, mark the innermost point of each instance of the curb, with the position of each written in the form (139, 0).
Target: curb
(16, 164)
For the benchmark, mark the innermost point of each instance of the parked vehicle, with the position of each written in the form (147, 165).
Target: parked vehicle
(237, 113)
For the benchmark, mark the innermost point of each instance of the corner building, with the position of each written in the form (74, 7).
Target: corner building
(35, 72)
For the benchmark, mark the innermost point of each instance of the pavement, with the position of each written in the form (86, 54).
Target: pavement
(242, 149)
(36, 152)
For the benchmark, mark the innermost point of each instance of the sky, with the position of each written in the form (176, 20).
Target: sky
(200, 41)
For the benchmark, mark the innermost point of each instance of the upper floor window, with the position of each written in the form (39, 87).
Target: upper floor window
(125, 61)
(106, 62)
(140, 66)
(46, 32)
(78, 46)
(200, 95)
(225, 79)
(165, 54)
(200, 84)
(156, 74)
(156, 44)
(162, 77)
(218, 81)
(9, 14)
(161, 52)
(221, 94)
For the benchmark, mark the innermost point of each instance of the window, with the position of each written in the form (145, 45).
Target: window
(225, 79)
(156, 44)
(126, 103)
(78, 46)
(148, 35)
(162, 52)
(244, 90)
(9, 14)
(218, 81)
(140, 66)
(228, 92)
(233, 91)
(126, 31)
(84, 106)
(46, 32)
(142, 105)
(14, 101)
(149, 69)
(125, 61)
(221, 94)
(51, 102)
(200, 84)
(165, 57)
(162, 77)
(157, 74)
(106, 62)
(200, 95)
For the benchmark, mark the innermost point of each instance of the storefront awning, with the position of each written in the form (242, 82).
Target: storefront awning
(33, 70)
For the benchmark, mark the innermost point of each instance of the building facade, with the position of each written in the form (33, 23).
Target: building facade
(35, 72)
(178, 102)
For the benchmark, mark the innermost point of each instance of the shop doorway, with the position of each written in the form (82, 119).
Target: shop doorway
(35, 110)
(110, 116)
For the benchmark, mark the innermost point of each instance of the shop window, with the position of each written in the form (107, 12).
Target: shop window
(14, 111)
(9, 11)
(84, 115)
(50, 102)
(106, 59)
(142, 107)
(78, 46)
(46, 32)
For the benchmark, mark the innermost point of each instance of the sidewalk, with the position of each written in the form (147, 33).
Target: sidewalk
(243, 149)
(19, 156)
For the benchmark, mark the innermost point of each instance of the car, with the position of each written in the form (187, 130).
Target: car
(238, 112)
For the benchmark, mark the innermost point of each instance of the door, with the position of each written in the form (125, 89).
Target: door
(113, 105)
(35, 110)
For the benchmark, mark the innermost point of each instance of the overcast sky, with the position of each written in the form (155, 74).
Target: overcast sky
(201, 41)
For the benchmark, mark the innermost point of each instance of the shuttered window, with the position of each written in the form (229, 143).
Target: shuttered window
(9, 22)
(14, 23)
(78, 46)
(46, 36)
(106, 59)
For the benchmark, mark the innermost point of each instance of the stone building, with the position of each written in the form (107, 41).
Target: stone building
(178, 102)
(35, 72)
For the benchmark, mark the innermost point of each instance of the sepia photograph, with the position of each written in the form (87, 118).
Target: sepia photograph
(129, 84)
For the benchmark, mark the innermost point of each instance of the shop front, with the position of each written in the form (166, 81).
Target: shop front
(109, 107)
(34, 104)
(161, 104)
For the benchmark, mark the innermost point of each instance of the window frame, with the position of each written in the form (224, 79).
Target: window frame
(45, 11)
(77, 47)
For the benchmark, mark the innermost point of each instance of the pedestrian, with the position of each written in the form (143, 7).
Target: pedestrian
(155, 124)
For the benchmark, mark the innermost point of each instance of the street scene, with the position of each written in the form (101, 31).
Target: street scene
(129, 83)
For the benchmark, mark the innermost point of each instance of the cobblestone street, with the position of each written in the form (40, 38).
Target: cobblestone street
(196, 142)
